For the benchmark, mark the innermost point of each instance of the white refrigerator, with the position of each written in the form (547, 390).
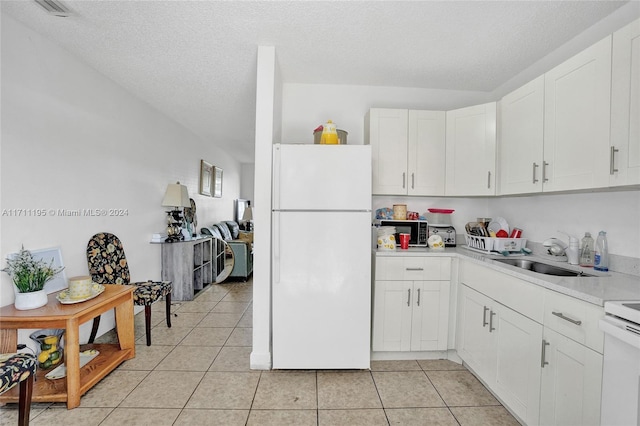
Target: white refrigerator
(321, 283)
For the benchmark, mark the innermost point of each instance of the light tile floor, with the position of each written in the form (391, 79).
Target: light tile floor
(197, 373)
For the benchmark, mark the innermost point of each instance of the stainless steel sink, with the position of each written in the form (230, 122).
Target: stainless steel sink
(544, 268)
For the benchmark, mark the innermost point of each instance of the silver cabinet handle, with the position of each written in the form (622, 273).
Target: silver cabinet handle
(484, 317)
(544, 172)
(560, 315)
(535, 166)
(488, 179)
(491, 314)
(418, 297)
(413, 180)
(543, 355)
(612, 162)
(414, 269)
(404, 180)
(408, 297)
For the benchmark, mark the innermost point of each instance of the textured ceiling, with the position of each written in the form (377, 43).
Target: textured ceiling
(196, 60)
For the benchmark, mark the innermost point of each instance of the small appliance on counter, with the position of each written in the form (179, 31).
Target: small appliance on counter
(440, 224)
(417, 229)
(447, 232)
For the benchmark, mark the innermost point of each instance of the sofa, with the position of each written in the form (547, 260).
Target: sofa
(229, 231)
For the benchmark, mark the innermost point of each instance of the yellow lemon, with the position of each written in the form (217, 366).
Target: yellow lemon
(44, 355)
(55, 361)
(50, 340)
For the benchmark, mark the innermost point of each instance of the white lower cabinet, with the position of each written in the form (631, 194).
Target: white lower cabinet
(571, 382)
(542, 355)
(411, 311)
(502, 348)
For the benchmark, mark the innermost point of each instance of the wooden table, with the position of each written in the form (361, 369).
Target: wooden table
(70, 316)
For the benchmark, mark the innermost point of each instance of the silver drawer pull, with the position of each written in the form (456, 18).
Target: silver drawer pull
(612, 162)
(484, 317)
(560, 315)
(491, 314)
(543, 356)
(414, 269)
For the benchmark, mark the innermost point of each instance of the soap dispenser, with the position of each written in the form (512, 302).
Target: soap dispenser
(573, 252)
(586, 251)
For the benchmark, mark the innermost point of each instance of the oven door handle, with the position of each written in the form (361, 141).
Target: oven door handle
(621, 330)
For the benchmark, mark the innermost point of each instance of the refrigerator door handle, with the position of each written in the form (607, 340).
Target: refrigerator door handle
(275, 194)
(276, 247)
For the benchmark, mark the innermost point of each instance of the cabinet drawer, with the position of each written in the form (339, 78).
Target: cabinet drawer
(519, 295)
(575, 319)
(413, 268)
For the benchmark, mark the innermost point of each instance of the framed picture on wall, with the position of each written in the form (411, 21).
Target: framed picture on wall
(206, 178)
(217, 182)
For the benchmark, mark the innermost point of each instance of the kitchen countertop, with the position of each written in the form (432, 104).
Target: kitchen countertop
(597, 290)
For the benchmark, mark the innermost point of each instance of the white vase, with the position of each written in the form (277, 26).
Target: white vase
(31, 300)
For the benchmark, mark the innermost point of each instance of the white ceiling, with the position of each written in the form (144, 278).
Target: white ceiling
(196, 60)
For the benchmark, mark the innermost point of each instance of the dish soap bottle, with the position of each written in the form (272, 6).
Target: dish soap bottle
(601, 259)
(586, 251)
(329, 134)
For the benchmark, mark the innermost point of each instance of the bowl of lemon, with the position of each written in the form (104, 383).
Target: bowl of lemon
(49, 350)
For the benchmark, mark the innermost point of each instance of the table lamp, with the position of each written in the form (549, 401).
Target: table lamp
(176, 196)
(247, 217)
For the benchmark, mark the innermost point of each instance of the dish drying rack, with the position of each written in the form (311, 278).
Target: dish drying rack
(491, 244)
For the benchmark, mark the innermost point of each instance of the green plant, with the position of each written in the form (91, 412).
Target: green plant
(29, 274)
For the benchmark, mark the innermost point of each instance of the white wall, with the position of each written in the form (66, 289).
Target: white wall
(268, 129)
(306, 106)
(247, 177)
(542, 216)
(73, 139)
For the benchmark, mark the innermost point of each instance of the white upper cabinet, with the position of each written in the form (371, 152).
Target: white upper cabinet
(624, 153)
(425, 160)
(520, 154)
(408, 149)
(577, 106)
(387, 130)
(471, 150)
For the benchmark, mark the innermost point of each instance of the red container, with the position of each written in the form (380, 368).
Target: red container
(404, 241)
(516, 233)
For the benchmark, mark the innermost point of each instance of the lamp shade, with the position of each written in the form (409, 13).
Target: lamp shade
(247, 215)
(176, 196)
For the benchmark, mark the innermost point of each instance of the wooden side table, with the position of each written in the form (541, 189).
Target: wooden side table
(56, 315)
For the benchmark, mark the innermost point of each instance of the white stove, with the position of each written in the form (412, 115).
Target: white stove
(629, 311)
(621, 364)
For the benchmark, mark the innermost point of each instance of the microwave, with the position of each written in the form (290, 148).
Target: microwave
(418, 229)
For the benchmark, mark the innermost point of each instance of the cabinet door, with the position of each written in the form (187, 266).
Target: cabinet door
(571, 383)
(430, 316)
(577, 118)
(517, 380)
(625, 107)
(388, 139)
(426, 153)
(471, 150)
(521, 139)
(392, 316)
(475, 341)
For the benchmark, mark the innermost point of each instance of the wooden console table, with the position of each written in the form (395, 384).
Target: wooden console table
(56, 315)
